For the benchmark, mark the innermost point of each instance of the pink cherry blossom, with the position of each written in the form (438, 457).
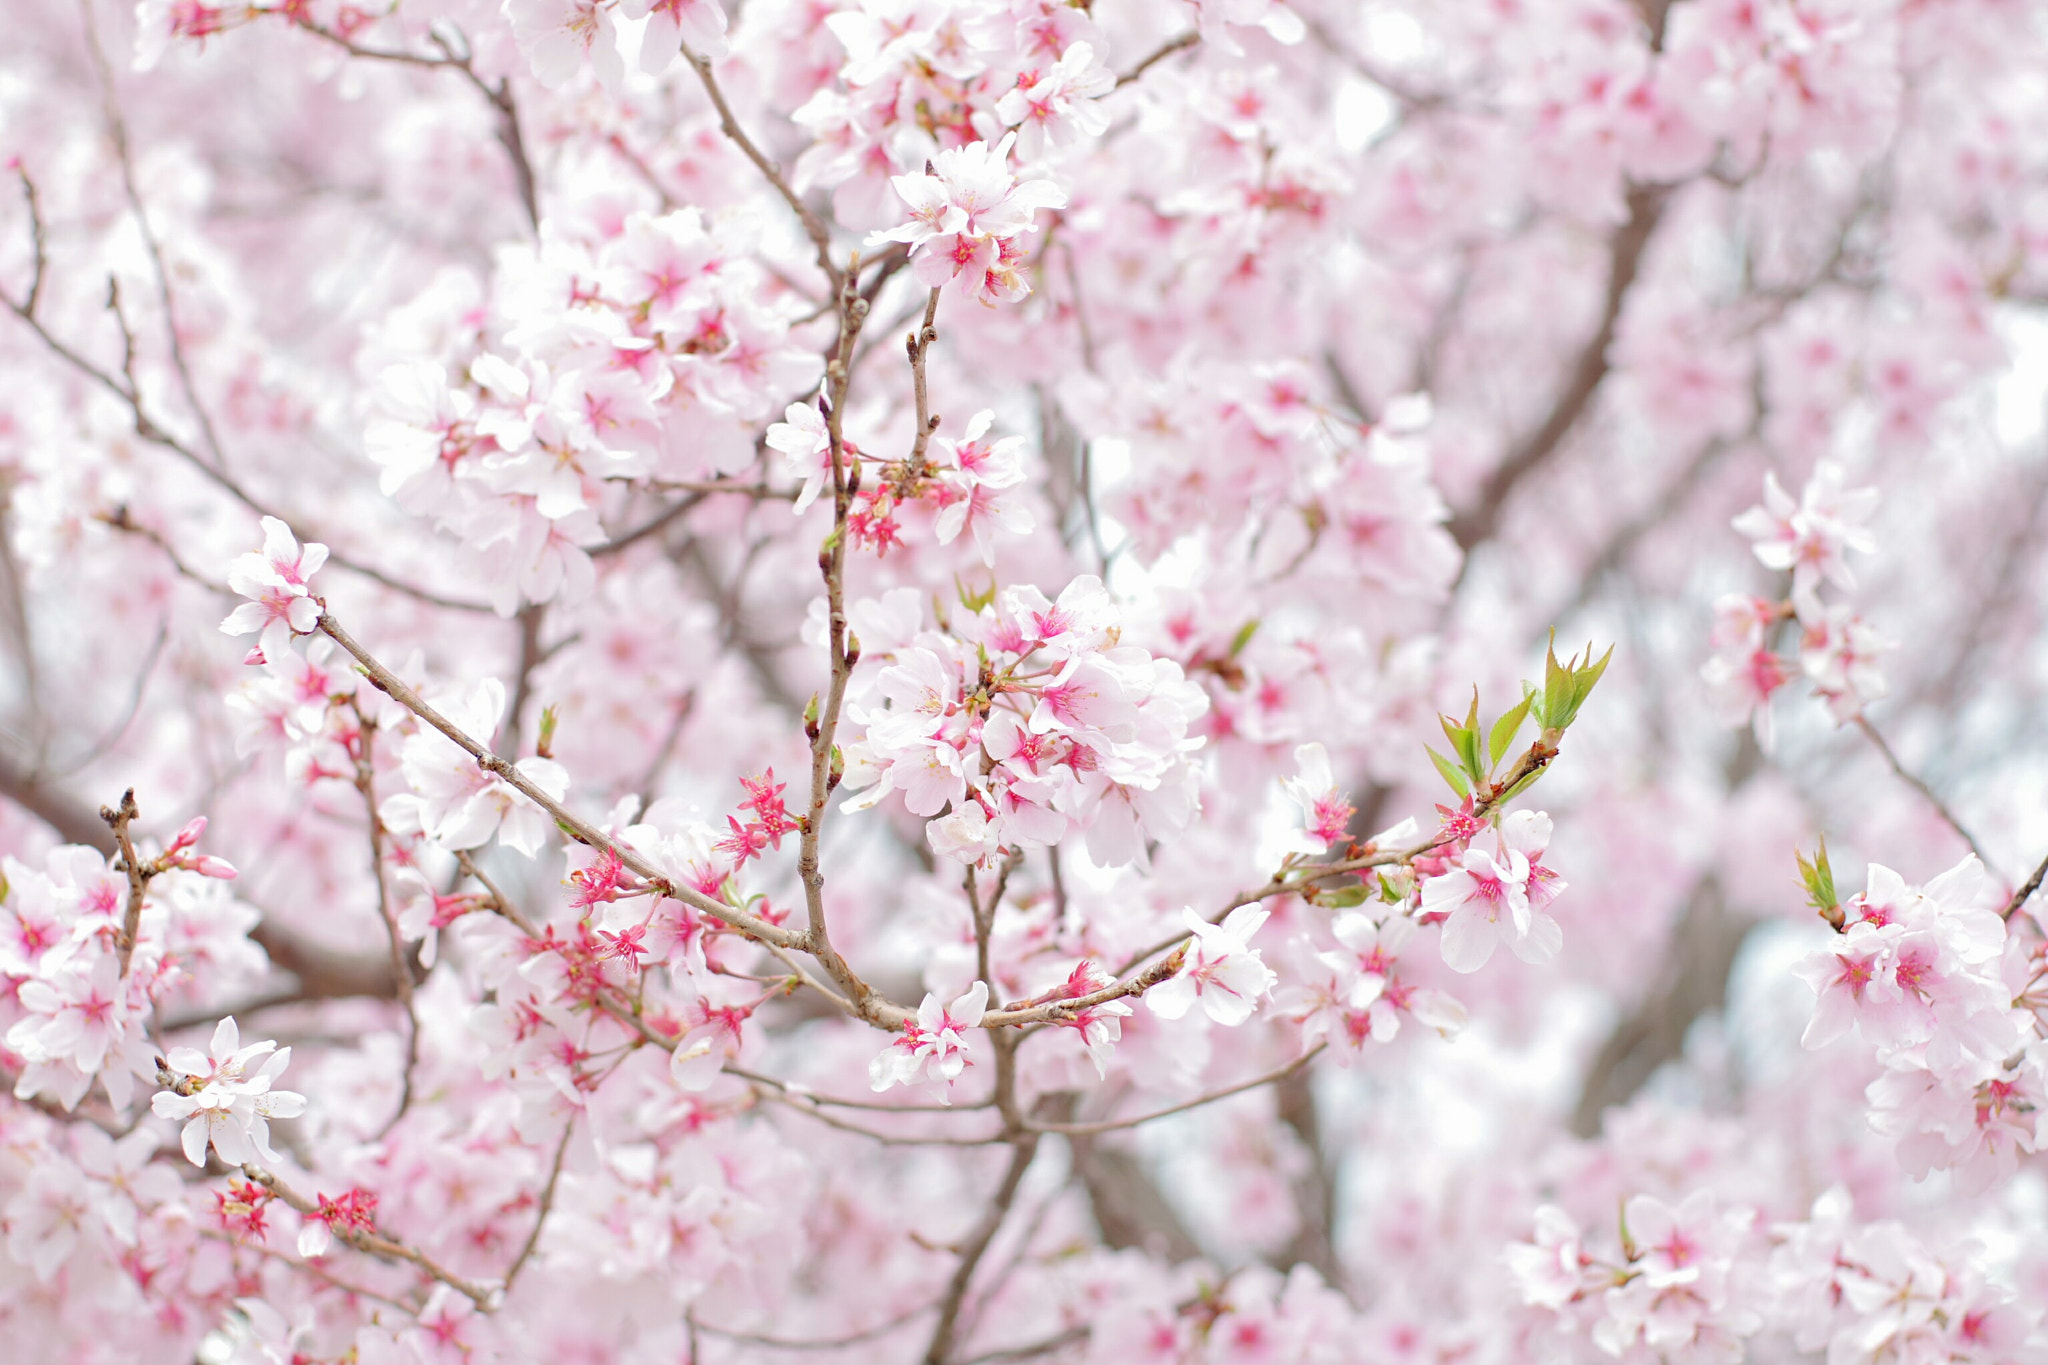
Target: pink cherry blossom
(933, 1049)
(1221, 970)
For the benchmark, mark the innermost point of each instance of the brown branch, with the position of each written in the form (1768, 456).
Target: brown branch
(1625, 254)
(374, 1243)
(1118, 1125)
(653, 526)
(2026, 891)
(814, 226)
(1314, 1187)
(547, 1203)
(460, 59)
(880, 1329)
(1900, 771)
(976, 1246)
(1131, 1212)
(1178, 43)
(1692, 981)
(74, 822)
(117, 129)
(531, 617)
(822, 724)
(118, 819)
(401, 958)
(389, 683)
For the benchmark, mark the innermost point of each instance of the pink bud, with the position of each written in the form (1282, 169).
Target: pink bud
(208, 866)
(189, 835)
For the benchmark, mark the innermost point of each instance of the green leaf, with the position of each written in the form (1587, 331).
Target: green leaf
(1243, 637)
(1505, 729)
(1557, 684)
(1343, 899)
(1586, 677)
(1450, 773)
(1819, 879)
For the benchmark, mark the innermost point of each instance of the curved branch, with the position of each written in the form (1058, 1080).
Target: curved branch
(1625, 256)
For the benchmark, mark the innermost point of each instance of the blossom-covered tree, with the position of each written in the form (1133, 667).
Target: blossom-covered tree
(890, 680)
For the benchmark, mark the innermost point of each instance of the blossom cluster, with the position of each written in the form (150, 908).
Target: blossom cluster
(641, 351)
(1021, 723)
(953, 86)
(1837, 650)
(75, 1003)
(1931, 981)
(1701, 1280)
(224, 1099)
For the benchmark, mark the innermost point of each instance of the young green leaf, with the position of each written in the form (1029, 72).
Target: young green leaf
(1505, 729)
(1450, 772)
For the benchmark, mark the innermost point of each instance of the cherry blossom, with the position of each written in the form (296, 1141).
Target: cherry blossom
(456, 802)
(222, 1101)
(1221, 970)
(275, 581)
(966, 217)
(933, 1049)
(866, 683)
(1486, 897)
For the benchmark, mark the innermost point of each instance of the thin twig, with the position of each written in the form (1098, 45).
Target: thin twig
(976, 1246)
(373, 1243)
(2026, 891)
(814, 226)
(1158, 55)
(401, 959)
(880, 1329)
(547, 1203)
(1114, 1125)
(1940, 807)
(389, 683)
(118, 819)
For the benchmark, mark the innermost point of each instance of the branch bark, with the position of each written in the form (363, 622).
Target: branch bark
(1625, 256)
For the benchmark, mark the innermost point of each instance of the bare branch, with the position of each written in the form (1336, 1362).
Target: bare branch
(975, 1247)
(1940, 807)
(1625, 255)
(2026, 891)
(1178, 43)
(1117, 1125)
(814, 226)
(118, 819)
(375, 1243)
(547, 1203)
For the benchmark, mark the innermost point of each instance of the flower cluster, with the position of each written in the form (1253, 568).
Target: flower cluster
(1920, 974)
(1485, 898)
(275, 580)
(933, 1049)
(647, 350)
(558, 37)
(1031, 723)
(1672, 1292)
(221, 1101)
(72, 1014)
(768, 820)
(1356, 993)
(971, 487)
(1837, 649)
(967, 217)
(922, 83)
